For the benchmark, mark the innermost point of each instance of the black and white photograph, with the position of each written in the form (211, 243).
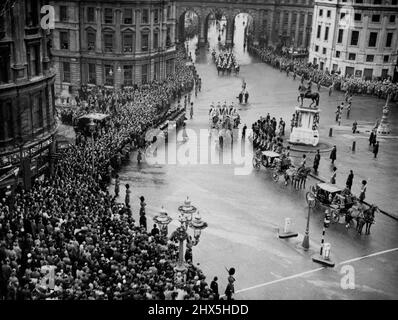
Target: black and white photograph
(198, 150)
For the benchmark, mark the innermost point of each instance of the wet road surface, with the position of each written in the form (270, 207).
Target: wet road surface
(245, 212)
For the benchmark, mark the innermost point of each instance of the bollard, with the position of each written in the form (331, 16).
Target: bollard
(324, 257)
(330, 132)
(326, 251)
(287, 233)
(353, 146)
(288, 222)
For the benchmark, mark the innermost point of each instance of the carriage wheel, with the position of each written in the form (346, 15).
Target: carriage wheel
(275, 176)
(313, 203)
(256, 164)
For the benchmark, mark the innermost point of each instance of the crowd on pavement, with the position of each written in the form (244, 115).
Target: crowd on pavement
(68, 238)
(331, 79)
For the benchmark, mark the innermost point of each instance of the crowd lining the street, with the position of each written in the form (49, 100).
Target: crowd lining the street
(71, 222)
(332, 80)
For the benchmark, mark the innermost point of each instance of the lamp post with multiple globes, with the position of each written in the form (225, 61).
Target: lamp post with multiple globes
(188, 217)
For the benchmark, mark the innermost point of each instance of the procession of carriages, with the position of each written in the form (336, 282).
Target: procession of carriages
(281, 166)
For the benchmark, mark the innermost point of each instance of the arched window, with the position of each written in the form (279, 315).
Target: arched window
(128, 41)
(144, 41)
(91, 36)
(108, 40)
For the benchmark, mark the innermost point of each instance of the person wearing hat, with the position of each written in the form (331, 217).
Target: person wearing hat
(143, 220)
(214, 288)
(230, 289)
(127, 198)
(155, 231)
(117, 183)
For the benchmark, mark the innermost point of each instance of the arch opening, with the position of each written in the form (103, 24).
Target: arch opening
(216, 29)
(243, 32)
(188, 26)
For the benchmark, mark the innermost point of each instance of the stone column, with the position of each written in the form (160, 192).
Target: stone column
(202, 38)
(230, 30)
(137, 31)
(46, 59)
(118, 40)
(383, 38)
(271, 26)
(257, 28)
(364, 43)
(289, 23)
(176, 32)
(305, 29)
(98, 40)
(164, 28)
(296, 35)
(20, 53)
(173, 24)
(172, 33)
(281, 23)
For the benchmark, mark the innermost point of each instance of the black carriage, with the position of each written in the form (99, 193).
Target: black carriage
(337, 199)
(265, 158)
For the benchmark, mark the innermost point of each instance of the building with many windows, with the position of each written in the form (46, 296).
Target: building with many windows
(355, 37)
(274, 22)
(112, 43)
(27, 123)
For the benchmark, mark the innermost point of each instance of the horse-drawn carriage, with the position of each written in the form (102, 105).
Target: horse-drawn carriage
(337, 199)
(281, 166)
(265, 158)
(296, 176)
(342, 203)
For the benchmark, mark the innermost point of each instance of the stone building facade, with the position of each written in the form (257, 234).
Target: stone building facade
(27, 122)
(355, 37)
(286, 22)
(112, 43)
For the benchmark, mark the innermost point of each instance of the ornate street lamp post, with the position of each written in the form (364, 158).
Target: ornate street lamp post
(306, 240)
(186, 211)
(188, 217)
(163, 220)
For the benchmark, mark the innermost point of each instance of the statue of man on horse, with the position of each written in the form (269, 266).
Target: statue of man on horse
(305, 93)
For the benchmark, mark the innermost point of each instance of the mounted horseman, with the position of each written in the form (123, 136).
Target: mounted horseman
(305, 93)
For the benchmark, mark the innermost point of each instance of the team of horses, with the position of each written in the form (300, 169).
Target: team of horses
(225, 65)
(363, 218)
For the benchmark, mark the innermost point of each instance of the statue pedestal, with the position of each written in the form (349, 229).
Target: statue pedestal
(305, 131)
(384, 126)
(304, 136)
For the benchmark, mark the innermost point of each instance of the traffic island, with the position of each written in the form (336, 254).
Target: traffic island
(285, 235)
(320, 259)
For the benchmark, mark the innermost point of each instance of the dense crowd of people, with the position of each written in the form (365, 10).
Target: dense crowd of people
(68, 238)
(268, 133)
(333, 80)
